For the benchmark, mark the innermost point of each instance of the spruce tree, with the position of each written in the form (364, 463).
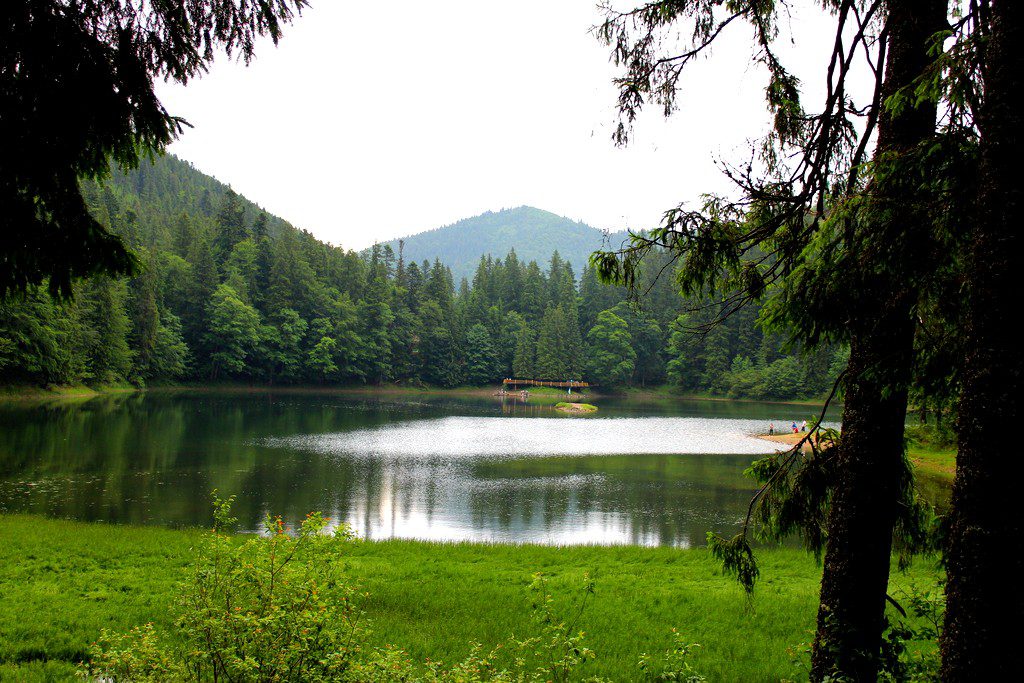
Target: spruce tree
(79, 92)
(552, 362)
(524, 362)
(481, 360)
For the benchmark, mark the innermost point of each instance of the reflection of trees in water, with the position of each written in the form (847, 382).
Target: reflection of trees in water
(155, 458)
(660, 499)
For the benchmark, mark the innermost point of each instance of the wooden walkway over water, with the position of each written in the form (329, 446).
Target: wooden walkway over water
(571, 384)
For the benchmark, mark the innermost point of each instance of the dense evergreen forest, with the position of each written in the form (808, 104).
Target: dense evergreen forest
(229, 292)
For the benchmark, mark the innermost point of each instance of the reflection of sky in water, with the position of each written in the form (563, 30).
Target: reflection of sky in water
(463, 509)
(426, 486)
(440, 470)
(457, 437)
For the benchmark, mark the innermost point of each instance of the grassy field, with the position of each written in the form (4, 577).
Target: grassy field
(932, 450)
(62, 582)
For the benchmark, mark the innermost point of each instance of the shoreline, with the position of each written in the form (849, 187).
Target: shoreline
(786, 438)
(938, 463)
(15, 393)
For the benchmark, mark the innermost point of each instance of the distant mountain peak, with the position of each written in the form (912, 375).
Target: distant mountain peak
(533, 233)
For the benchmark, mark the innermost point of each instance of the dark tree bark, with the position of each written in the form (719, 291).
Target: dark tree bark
(985, 556)
(869, 464)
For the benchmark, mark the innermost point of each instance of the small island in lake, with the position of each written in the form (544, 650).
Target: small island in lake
(575, 408)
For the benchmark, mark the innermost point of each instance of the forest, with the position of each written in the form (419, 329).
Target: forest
(873, 225)
(230, 293)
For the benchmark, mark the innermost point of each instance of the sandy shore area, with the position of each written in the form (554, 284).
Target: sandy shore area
(787, 438)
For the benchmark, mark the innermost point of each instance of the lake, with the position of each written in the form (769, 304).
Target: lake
(439, 467)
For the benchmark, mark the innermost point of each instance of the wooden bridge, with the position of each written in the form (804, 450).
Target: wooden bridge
(571, 384)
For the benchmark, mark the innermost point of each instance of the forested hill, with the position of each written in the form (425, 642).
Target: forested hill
(169, 188)
(227, 292)
(534, 234)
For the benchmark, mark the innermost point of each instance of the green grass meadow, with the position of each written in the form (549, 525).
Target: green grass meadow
(62, 582)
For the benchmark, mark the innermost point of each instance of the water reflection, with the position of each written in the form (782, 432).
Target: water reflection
(474, 437)
(432, 468)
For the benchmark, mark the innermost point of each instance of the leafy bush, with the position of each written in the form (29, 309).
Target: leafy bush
(280, 608)
(268, 609)
(934, 436)
(674, 665)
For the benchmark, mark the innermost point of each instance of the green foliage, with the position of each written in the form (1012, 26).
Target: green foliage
(737, 558)
(910, 642)
(65, 581)
(170, 354)
(554, 354)
(931, 435)
(273, 609)
(481, 359)
(796, 492)
(281, 607)
(523, 364)
(674, 665)
(234, 333)
(108, 53)
(321, 358)
(611, 358)
(302, 311)
(105, 317)
(134, 656)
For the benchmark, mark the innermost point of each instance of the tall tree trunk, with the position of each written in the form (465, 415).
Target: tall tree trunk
(985, 556)
(870, 457)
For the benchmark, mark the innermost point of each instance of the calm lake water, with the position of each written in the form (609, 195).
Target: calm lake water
(659, 473)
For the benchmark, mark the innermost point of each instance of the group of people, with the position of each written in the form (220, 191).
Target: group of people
(796, 430)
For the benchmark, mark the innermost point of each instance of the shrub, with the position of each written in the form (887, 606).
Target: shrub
(279, 608)
(270, 608)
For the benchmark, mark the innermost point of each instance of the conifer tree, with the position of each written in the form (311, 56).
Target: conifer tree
(524, 364)
(552, 362)
(145, 319)
(481, 361)
(57, 56)
(231, 227)
(104, 316)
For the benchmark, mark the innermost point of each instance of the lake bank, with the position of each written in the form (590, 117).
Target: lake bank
(65, 581)
(72, 392)
(25, 392)
(930, 459)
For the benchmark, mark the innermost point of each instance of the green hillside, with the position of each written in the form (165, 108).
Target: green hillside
(533, 233)
(227, 292)
(162, 191)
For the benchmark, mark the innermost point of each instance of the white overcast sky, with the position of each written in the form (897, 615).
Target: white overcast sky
(371, 121)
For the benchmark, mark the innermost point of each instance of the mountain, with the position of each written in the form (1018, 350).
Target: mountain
(533, 233)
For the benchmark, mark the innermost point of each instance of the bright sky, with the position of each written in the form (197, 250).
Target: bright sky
(371, 121)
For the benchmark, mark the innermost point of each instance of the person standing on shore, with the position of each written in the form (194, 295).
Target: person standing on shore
(803, 426)
(771, 429)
